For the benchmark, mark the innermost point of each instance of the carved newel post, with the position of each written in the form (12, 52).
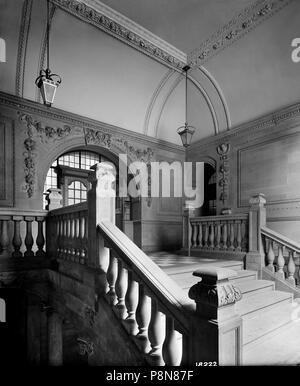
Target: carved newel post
(101, 207)
(216, 331)
(54, 199)
(257, 219)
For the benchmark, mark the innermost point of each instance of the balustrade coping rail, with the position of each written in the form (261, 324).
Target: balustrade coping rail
(82, 206)
(22, 212)
(168, 293)
(280, 239)
(222, 217)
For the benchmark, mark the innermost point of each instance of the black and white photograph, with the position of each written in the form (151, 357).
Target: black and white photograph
(149, 186)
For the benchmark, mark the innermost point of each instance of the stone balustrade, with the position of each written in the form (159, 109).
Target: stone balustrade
(67, 230)
(224, 233)
(281, 255)
(22, 233)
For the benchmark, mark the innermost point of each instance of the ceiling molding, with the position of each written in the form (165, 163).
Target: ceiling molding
(238, 27)
(22, 46)
(122, 28)
(33, 107)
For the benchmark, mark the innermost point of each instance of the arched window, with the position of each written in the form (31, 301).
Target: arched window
(2, 50)
(2, 311)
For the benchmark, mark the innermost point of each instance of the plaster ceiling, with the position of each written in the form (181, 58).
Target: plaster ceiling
(182, 23)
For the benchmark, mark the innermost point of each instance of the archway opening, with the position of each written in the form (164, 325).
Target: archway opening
(209, 207)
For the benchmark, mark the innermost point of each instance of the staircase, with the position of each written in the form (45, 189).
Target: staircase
(271, 333)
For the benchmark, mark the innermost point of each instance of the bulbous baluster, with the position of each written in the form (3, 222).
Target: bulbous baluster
(291, 268)
(224, 236)
(195, 235)
(172, 347)
(218, 235)
(200, 235)
(231, 236)
(211, 235)
(280, 262)
(121, 287)
(112, 274)
(40, 240)
(205, 241)
(270, 256)
(156, 334)
(29, 238)
(17, 241)
(143, 315)
(131, 302)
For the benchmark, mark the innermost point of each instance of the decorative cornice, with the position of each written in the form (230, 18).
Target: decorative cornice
(22, 45)
(120, 27)
(270, 120)
(239, 26)
(72, 119)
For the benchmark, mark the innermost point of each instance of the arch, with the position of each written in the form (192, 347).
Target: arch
(2, 50)
(2, 311)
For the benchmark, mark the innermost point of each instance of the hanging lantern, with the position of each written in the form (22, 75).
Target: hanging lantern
(47, 82)
(186, 132)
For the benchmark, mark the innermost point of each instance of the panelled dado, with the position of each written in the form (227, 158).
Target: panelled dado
(263, 157)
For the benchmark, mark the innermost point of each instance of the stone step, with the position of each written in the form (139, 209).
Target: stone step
(254, 287)
(267, 323)
(245, 275)
(260, 302)
(278, 348)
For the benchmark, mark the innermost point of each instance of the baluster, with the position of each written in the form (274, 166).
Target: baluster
(280, 262)
(17, 241)
(200, 236)
(231, 236)
(224, 236)
(131, 302)
(58, 234)
(195, 235)
(172, 347)
(40, 240)
(78, 238)
(156, 334)
(65, 237)
(121, 287)
(211, 235)
(218, 235)
(239, 236)
(4, 239)
(29, 238)
(83, 239)
(143, 315)
(72, 237)
(205, 235)
(291, 268)
(112, 274)
(270, 256)
(69, 249)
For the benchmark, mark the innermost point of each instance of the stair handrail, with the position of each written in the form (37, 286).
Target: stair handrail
(281, 239)
(174, 299)
(239, 216)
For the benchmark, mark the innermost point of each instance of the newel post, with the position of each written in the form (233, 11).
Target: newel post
(216, 329)
(101, 207)
(257, 219)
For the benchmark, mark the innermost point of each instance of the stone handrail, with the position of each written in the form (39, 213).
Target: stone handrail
(139, 289)
(22, 233)
(281, 254)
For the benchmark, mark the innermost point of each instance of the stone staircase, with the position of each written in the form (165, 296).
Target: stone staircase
(271, 326)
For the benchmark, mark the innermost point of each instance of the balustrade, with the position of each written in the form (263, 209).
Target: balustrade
(282, 255)
(224, 232)
(22, 233)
